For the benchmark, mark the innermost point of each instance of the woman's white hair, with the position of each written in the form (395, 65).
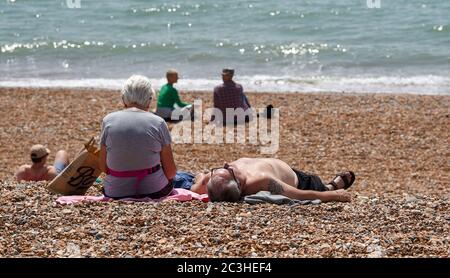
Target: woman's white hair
(137, 91)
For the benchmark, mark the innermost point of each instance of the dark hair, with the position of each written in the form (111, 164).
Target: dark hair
(37, 160)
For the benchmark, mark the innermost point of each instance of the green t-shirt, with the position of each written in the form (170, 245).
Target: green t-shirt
(168, 97)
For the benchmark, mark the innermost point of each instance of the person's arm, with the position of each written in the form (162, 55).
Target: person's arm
(201, 180)
(246, 101)
(215, 103)
(216, 97)
(244, 97)
(102, 155)
(177, 100)
(278, 187)
(51, 174)
(167, 162)
(102, 159)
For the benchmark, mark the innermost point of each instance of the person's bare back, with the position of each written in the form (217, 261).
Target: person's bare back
(39, 170)
(30, 173)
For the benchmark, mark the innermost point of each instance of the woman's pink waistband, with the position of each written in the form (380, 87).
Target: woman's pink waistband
(134, 173)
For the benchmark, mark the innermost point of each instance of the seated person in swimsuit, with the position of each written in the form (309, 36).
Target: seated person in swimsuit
(136, 151)
(39, 170)
(247, 176)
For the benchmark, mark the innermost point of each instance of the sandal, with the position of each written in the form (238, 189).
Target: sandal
(343, 176)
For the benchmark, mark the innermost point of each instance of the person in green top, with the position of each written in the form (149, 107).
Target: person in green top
(168, 98)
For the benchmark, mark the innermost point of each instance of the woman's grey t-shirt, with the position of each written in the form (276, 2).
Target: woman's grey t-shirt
(134, 139)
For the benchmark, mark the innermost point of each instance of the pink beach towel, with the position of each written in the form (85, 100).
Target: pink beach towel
(178, 194)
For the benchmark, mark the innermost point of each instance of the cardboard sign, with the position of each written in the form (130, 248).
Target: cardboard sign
(81, 174)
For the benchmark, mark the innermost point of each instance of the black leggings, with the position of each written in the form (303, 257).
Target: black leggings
(308, 181)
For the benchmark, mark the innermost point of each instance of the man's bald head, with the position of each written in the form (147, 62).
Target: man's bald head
(222, 187)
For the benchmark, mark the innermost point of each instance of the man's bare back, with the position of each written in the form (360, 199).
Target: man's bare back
(39, 170)
(30, 173)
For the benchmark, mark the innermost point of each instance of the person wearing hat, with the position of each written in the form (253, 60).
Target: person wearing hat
(39, 170)
(230, 94)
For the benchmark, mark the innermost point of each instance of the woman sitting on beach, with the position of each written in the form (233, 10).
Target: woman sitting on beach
(135, 150)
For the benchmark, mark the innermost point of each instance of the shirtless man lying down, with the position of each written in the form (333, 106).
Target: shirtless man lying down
(247, 176)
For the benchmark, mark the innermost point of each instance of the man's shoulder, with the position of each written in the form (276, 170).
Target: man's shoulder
(24, 168)
(255, 182)
(219, 87)
(51, 172)
(23, 172)
(167, 88)
(164, 88)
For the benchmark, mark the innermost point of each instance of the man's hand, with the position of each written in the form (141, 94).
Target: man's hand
(342, 195)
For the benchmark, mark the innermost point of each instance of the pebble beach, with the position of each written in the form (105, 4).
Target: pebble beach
(397, 145)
